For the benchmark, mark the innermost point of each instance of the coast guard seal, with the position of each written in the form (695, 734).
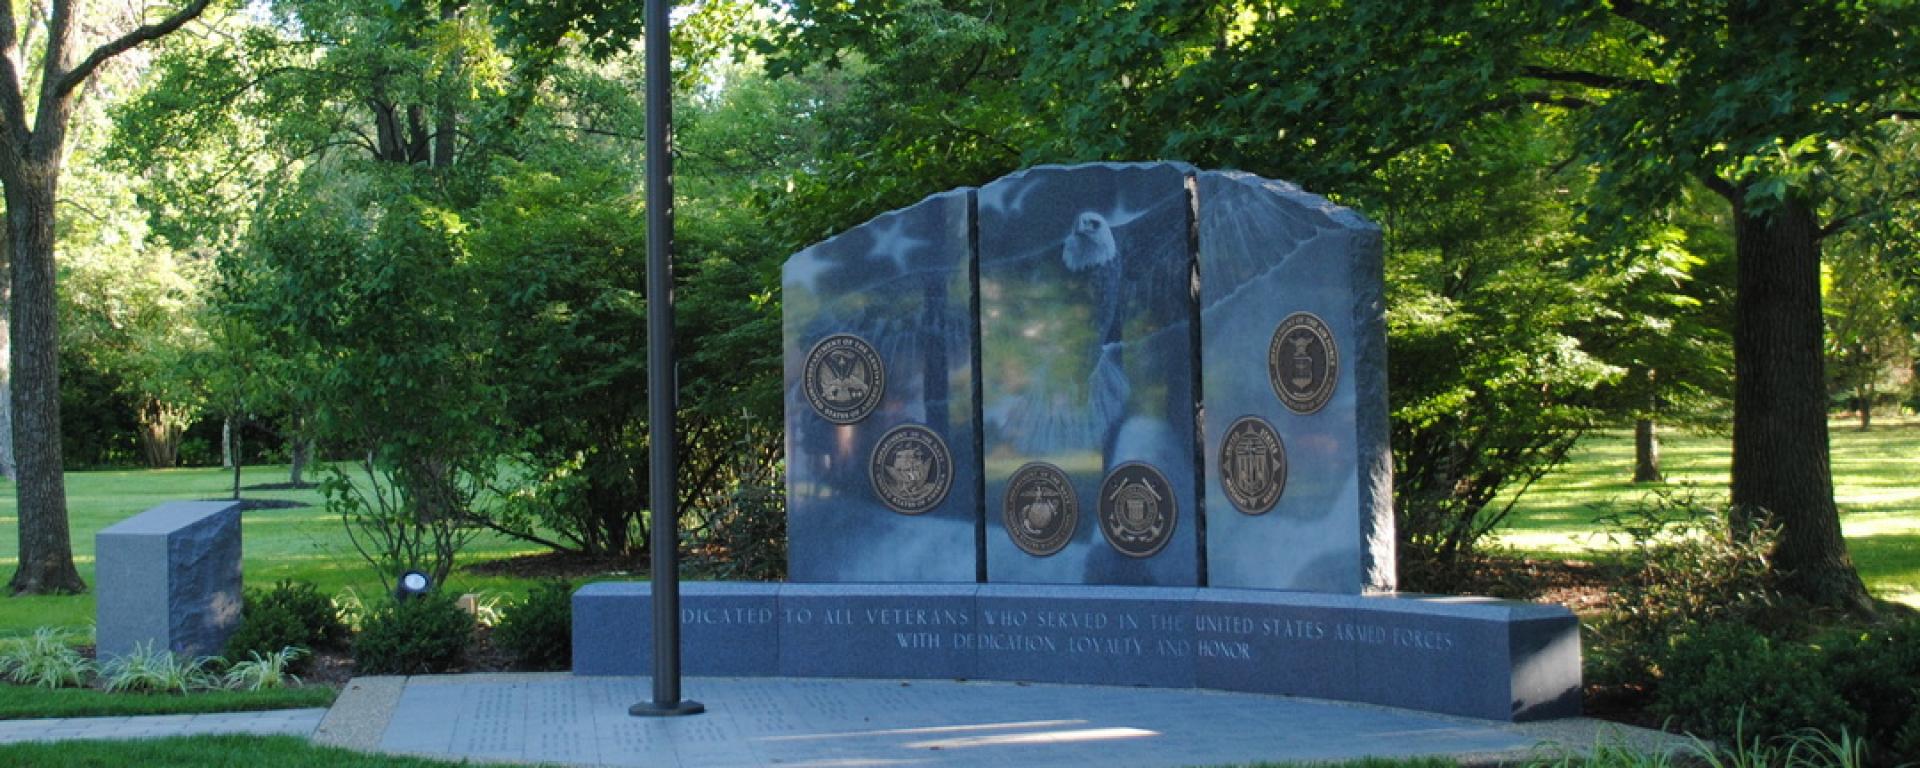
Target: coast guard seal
(1137, 509)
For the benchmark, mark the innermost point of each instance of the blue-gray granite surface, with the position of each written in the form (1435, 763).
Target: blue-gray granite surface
(903, 283)
(1476, 657)
(1267, 252)
(168, 579)
(1088, 362)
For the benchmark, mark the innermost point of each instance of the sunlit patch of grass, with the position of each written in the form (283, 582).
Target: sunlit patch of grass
(304, 544)
(1876, 478)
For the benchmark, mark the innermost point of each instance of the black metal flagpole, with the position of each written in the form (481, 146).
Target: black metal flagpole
(661, 392)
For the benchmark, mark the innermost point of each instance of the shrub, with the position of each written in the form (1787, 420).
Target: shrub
(1877, 671)
(1686, 565)
(290, 614)
(421, 635)
(157, 671)
(262, 672)
(538, 631)
(1725, 680)
(44, 660)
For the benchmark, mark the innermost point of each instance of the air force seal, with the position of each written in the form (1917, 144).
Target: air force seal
(1303, 363)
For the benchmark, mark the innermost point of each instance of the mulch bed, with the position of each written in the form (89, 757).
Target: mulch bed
(570, 566)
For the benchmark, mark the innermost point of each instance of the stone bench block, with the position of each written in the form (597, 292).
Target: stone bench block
(1475, 657)
(726, 629)
(169, 576)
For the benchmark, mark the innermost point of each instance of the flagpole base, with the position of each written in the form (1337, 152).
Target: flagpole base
(679, 708)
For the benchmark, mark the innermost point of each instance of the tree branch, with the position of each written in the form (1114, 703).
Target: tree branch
(1589, 79)
(145, 32)
(13, 106)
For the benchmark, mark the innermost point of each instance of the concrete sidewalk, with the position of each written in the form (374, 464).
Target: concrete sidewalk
(289, 722)
(559, 718)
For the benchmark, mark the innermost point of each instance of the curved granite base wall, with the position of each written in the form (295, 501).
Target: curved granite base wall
(1476, 657)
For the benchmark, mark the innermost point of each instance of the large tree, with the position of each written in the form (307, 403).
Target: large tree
(1760, 102)
(32, 147)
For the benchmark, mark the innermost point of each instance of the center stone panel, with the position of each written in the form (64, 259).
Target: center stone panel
(1087, 362)
(882, 456)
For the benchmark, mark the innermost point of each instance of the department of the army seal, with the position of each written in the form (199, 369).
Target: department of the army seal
(1041, 510)
(844, 378)
(1253, 465)
(1137, 509)
(1303, 363)
(911, 469)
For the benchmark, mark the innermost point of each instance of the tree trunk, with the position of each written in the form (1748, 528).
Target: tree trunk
(7, 468)
(1646, 453)
(237, 460)
(1866, 407)
(1781, 470)
(301, 452)
(46, 549)
(226, 443)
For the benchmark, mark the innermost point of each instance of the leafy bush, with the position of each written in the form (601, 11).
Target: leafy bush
(262, 672)
(1726, 679)
(290, 614)
(538, 631)
(1877, 671)
(152, 670)
(45, 660)
(1686, 565)
(421, 635)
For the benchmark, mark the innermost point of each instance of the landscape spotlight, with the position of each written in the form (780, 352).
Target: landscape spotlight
(412, 584)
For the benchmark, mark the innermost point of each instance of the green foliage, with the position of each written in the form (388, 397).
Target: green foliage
(264, 672)
(151, 670)
(538, 630)
(1877, 671)
(291, 614)
(44, 659)
(202, 751)
(1687, 567)
(1719, 680)
(422, 635)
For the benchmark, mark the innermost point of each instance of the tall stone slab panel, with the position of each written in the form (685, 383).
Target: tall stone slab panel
(1088, 376)
(882, 442)
(169, 578)
(1293, 351)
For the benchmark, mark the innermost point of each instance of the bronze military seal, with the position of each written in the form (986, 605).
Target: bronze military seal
(910, 469)
(843, 378)
(1137, 509)
(1253, 465)
(1303, 362)
(1040, 510)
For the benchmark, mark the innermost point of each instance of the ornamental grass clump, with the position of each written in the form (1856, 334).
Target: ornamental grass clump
(151, 670)
(263, 672)
(44, 660)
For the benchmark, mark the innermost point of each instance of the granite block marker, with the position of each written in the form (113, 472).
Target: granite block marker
(169, 579)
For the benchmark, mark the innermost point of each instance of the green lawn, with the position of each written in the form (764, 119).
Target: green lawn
(305, 544)
(202, 752)
(1876, 482)
(25, 702)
